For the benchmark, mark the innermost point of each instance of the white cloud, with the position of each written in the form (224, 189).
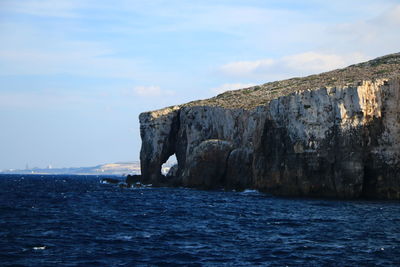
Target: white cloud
(250, 29)
(373, 36)
(48, 55)
(44, 99)
(243, 67)
(393, 15)
(318, 62)
(230, 86)
(151, 91)
(314, 49)
(293, 65)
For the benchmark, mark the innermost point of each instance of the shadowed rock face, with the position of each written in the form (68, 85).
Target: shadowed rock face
(206, 165)
(158, 131)
(341, 142)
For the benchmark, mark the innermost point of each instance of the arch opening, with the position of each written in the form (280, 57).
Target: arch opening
(168, 164)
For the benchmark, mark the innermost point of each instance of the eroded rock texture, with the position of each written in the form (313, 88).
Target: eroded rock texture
(337, 141)
(158, 131)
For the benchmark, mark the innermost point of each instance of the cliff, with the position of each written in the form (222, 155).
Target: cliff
(336, 134)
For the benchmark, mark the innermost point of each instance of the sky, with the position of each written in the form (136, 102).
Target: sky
(75, 75)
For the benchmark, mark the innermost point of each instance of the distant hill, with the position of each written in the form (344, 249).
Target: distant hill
(120, 168)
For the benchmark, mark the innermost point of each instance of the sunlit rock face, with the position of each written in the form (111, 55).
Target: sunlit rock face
(331, 141)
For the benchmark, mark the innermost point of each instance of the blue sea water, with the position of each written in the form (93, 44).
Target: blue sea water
(77, 221)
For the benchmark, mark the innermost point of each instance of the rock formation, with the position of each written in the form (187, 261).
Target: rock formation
(336, 134)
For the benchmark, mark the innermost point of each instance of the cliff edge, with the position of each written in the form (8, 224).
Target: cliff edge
(335, 134)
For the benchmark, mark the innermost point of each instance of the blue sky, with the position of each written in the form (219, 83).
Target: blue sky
(74, 75)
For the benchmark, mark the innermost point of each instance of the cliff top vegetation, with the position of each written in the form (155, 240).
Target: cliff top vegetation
(384, 67)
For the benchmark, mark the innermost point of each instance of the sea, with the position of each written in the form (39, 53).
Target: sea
(56, 220)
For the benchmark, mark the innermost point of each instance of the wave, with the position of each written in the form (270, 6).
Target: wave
(250, 191)
(39, 248)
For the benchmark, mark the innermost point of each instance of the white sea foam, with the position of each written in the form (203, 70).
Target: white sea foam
(147, 234)
(39, 248)
(250, 191)
(121, 237)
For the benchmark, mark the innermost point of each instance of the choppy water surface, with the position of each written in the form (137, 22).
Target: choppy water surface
(76, 220)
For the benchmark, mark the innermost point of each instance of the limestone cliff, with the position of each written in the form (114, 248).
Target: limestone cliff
(335, 134)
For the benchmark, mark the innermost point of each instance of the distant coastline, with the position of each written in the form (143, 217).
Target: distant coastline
(119, 168)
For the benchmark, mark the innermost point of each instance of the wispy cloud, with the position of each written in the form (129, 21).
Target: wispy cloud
(80, 48)
(293, 65)
(230, 86)
(374, 36)
(44, 8)
(64, 57)
(44, 99)
(151, 91)
(317, 62)
(240, 68)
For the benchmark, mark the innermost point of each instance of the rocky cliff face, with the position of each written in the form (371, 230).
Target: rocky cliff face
(341, 140)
